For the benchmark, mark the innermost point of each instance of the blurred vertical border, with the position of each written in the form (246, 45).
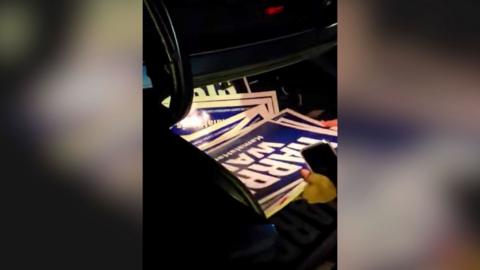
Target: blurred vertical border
(408, 110)
(71, 133)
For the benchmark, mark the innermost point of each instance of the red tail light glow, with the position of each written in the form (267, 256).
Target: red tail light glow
(274, 10)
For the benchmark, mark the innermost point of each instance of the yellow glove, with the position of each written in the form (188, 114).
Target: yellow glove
(319, 189)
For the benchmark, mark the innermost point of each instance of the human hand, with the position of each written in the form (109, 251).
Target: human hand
(320, 189)
(330, 124)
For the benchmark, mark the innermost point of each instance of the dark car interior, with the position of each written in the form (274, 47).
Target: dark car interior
(204, 213)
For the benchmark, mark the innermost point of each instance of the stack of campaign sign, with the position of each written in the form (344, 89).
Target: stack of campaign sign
(259, 144)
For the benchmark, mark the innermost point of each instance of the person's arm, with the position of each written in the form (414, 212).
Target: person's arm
(320, 189)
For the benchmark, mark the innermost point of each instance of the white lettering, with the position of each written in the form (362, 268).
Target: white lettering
(230, 167)
(308, 141)
(243, 159)
(265, 148)
(288, 155)
(255, 180)
(275, 168)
